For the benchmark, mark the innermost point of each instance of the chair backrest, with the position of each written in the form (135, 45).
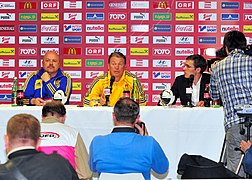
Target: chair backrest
(127, 176)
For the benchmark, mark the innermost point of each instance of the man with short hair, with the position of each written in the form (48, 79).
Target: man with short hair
(231, 81)
(122, 77)
(194, 65)
(125, 151)
(21, 142)
(63, 139)
(41, 85)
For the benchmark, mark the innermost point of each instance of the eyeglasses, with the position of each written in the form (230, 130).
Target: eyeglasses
(188, 66)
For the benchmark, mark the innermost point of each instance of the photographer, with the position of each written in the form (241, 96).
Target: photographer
(231, 82)
(125, 151)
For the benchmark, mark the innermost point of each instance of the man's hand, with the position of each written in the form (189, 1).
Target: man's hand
(142, 130)
(45, 77)
(200, 104)
(245, 145)
(37, 101)
(102, 100)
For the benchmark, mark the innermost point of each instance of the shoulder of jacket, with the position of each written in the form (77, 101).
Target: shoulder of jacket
(129, 74)
(66, 74)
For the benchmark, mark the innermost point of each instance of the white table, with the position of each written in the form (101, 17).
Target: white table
(178, 130)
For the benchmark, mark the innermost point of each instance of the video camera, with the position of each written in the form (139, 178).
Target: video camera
(221, 53)
(244, 110)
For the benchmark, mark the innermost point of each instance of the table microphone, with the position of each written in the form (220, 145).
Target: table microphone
(191, 78)
(112, 80)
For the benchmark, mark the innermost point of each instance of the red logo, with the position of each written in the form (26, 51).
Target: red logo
(162, 51)
(49, 5)
(184, 4)
(27, 51)
(117, 16)
(72, 51)
(27, 5)
(161, 5)
(94, 51)
(247, 17)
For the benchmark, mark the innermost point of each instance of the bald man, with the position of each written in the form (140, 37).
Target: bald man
(42, 84)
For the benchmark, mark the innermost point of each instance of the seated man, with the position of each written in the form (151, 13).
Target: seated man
(42, 84)
(125, 151)
(25, 162)
(116, 66)
(195, 65)
(62, 139)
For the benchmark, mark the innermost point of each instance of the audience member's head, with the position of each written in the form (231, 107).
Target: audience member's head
(54, 108)
(22, 130)
(116, 65)
(126, 111)
(234, 40)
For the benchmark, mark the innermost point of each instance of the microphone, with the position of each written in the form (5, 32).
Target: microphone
(112, 80)
(191, 78)
(189, 92)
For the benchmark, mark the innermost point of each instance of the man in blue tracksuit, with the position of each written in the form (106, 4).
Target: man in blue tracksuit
(42, 84)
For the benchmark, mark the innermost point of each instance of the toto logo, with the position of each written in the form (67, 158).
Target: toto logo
(113, 16)
(27, 51)
(162, 51)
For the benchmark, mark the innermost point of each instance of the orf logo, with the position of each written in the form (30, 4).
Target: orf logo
(27, 5)
(71, 51)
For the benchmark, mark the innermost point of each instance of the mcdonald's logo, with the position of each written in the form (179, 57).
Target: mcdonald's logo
(72, 51)
(27, 5)
(161, 5)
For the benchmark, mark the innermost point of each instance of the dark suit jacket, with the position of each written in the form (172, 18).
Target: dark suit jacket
(181, 83)
(39, 166)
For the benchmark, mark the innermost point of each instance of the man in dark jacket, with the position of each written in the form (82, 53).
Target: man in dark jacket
(194, 65)
(25, 162)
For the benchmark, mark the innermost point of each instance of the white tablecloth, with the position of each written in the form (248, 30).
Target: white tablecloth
(178, 130)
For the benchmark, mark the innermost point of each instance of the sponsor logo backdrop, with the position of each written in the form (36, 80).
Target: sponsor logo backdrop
(156, 36)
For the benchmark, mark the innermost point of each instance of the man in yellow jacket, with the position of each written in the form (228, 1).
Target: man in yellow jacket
(113, 83)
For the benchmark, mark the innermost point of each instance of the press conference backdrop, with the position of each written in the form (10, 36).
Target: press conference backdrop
(156, 36)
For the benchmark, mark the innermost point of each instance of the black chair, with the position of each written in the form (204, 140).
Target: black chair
(198, 167)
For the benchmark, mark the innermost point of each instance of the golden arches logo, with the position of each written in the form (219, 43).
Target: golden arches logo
(162, 5)
(71, 51)
(27, 5)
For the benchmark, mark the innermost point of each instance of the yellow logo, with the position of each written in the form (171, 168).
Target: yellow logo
(162, 5)
(71, 51)
(184, 16)
(72, 63)
(57, 83)
(247, 29)
(38, 84)
(7, 51)
(27, 5)
(139, 51)
(49, 16)
(77, 86)
(117, 28)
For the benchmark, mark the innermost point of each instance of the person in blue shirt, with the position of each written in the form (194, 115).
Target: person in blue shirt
(42, 84)
(246, 148)
(125, 151)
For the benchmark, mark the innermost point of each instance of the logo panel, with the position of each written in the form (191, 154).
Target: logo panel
(72, 51)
